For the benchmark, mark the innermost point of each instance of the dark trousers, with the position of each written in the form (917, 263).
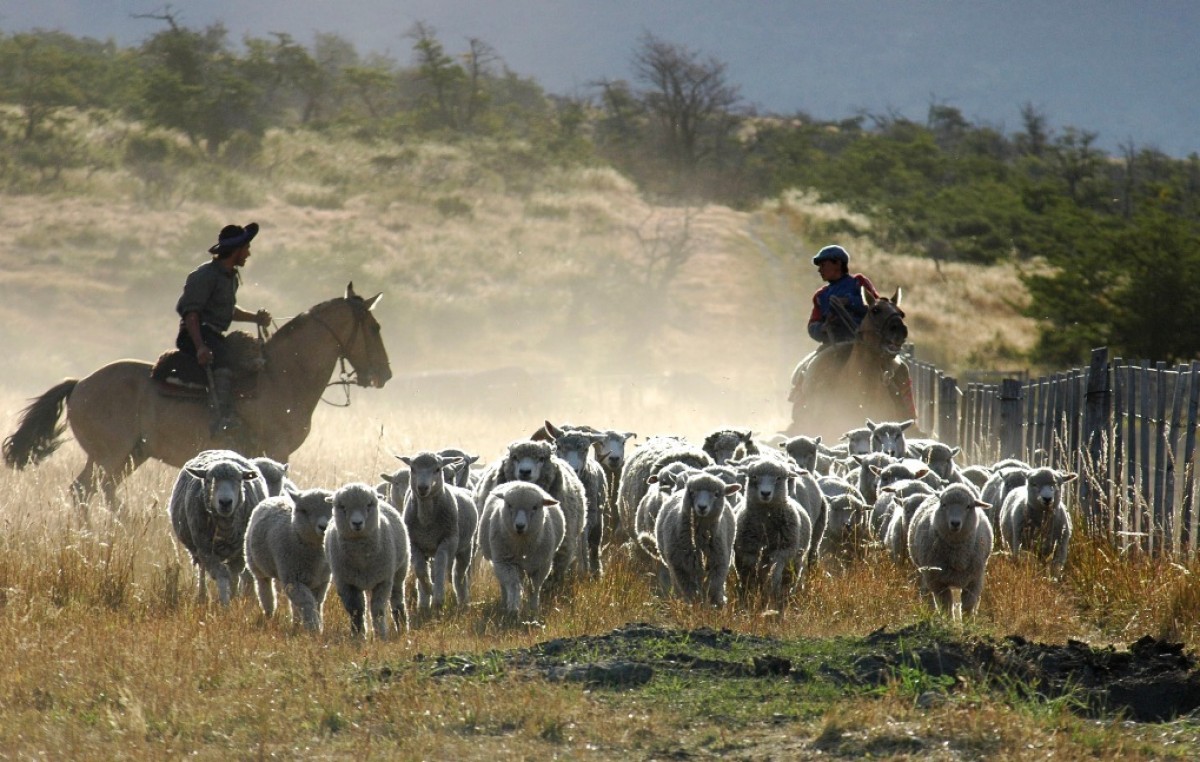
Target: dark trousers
(214, 340)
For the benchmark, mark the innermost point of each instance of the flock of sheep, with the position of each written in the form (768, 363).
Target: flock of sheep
(542, 513)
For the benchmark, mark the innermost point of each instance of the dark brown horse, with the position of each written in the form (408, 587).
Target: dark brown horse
(121, 418)
(839, 387)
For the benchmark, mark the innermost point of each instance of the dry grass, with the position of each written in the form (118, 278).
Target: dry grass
(109, 655)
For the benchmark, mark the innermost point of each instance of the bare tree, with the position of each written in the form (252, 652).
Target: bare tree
(687, 95)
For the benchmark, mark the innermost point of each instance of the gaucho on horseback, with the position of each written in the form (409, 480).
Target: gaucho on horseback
(207, 307)
(840, 308)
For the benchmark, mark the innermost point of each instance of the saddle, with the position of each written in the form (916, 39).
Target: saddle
(178, 374)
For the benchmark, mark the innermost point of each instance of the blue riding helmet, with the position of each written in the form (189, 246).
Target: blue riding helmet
(833, 252)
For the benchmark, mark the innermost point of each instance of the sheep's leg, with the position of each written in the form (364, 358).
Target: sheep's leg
(266, 595)
(716, 584)
(352, 600)
(381, 596)
(970, 597)
(420, 564)
(666, 580)
(319, 593)
(509, 577)
(220, 574)
(442, 561)
(537, 579)
(304, 605)
(594, 538)
(399, 604)
(462, 578)
(942, 599)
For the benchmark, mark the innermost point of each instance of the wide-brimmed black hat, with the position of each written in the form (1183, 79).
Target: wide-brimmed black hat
(234, 237)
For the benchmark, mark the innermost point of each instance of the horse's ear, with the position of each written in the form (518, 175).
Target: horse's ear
(373, 301)
(896, 297)
(867, 297)
(350, 290)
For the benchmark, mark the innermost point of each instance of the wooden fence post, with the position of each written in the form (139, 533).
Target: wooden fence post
(947, 428)
(1010, 418)
(1096, 479)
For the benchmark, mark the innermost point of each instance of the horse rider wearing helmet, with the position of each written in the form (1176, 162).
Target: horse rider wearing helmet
(827, 325)
(208, 305)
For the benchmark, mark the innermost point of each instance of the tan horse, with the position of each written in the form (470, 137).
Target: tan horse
(837, 388)
(121, 418)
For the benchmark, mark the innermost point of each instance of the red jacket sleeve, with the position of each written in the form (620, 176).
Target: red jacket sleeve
(865, 282)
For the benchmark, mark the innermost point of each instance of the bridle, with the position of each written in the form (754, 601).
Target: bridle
(347, 377)
(879, 331)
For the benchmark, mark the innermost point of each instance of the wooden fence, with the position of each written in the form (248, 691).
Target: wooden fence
(1128, 428)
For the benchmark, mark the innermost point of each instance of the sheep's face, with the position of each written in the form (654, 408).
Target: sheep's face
(858, 441)
(723, 445)
(355, 510)
(574, 447)
(670, 477)
(803, 450)
(312, 513)
(957, 510)
(940, 459)
(889, 437)
(457, 472)
(705, 493)
(895, 473)
(527, 461)
(427, 472)
(845, 516)
(525, 508)
(1044, 491)
(224, 487)
(273, 472)
(767, 481)
(610, 450)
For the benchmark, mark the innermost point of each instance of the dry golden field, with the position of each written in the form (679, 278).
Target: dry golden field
(544, 300)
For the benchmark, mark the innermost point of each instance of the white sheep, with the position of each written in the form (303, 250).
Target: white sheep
(906, 497)
(950, 541)
(441, 520)
(865, 474)
(693, 536)
(368, 551)
(724, 445)
(534, 461)
(520, 532)
(285, 542)
(773, 531)
(649, 459)
(809, 454)
(575, 446)
(845, 526)
(211, 502)
(1004, 480)
(888, 437)
(274, 473)
(1036, 517)
(940, 459)
(661, 486)
(891, 474)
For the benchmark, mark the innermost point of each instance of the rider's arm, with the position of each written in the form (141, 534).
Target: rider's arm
(191, 321)
(262, 317)
(816, 321)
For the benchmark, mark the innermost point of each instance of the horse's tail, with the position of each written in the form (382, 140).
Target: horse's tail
(40, 433)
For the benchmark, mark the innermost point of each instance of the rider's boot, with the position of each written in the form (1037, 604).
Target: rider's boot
(226, 418)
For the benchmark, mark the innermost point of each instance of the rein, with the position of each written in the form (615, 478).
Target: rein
(345, 377)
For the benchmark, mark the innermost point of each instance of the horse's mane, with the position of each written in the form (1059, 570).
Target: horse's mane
(294, 324)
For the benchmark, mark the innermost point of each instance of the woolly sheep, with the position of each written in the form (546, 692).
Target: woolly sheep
(649, 459)
(866, 475)
(274, 473)
(846, 511)
(694, 534)
(1004, 480)
(906, 498)
(888, 437)
(575, 446)
(976, 476)
(368, 551)
(520, 532)
(950, 540)
(773, 532)
(211, 502)
(661, 486)
(1036, 517)
(724, 445)
(394, 486)
(893, 473)
(285, 541)
(809, 454)
(940, 459)
(441, 520)
(534, 461)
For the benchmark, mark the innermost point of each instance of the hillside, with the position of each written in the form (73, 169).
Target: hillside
(486, 259)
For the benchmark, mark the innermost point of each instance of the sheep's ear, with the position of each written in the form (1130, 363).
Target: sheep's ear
(471, 459)
(732, 488)
(817, 441)
(905, 424)
(652, 479)
(405, 459)
(955, 451)
(199, 473)
(549, 501)
(983, 505)
(553, 430)
(388, 478)
(871, 424)
(920, 472)
(874, 468)
(454, 463)
(627, 435)
(1067, 476)
(291, 491)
